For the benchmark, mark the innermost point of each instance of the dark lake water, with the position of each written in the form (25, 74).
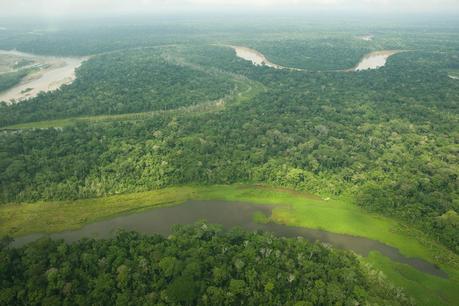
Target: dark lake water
(228, 214)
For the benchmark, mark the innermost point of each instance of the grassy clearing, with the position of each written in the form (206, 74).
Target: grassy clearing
(59, 123)
(49, 217)
(427, 289)
(292, 208)
(338, 216)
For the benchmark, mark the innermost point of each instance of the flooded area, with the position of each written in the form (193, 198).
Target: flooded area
(374, 60)
(228, 214)
(48, 73)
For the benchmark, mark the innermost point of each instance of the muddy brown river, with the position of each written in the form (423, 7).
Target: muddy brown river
(53, 73)
(374, 60)
(257, 58)
(228, 214)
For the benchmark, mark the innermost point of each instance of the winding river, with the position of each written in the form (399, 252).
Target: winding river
(257, 58)
(228, 214)
(374, 60)
(53, 72)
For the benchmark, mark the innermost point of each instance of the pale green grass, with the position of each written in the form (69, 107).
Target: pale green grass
(48, 217)
(59, 123)
(428, 290)
(338, 216)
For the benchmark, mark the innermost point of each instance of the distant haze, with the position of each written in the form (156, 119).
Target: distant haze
(80, 7)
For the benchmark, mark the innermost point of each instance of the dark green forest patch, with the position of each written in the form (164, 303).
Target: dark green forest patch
(196, 265)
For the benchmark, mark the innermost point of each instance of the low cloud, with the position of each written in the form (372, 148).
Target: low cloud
(71, 7)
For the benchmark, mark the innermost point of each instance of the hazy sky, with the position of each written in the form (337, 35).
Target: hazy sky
(71, 7)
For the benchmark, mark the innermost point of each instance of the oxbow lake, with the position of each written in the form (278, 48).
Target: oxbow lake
(228, 214)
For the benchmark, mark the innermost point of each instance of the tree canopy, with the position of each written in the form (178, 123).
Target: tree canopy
(196, 265)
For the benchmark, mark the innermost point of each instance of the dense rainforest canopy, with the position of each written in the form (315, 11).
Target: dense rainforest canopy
(8, 80)
(181, 108)
(196, 265)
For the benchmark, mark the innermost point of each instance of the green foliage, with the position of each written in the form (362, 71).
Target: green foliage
(261, 218)
(330, 52)
(194, 266)
(8, 80)
(385, 138)
(369, 134)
